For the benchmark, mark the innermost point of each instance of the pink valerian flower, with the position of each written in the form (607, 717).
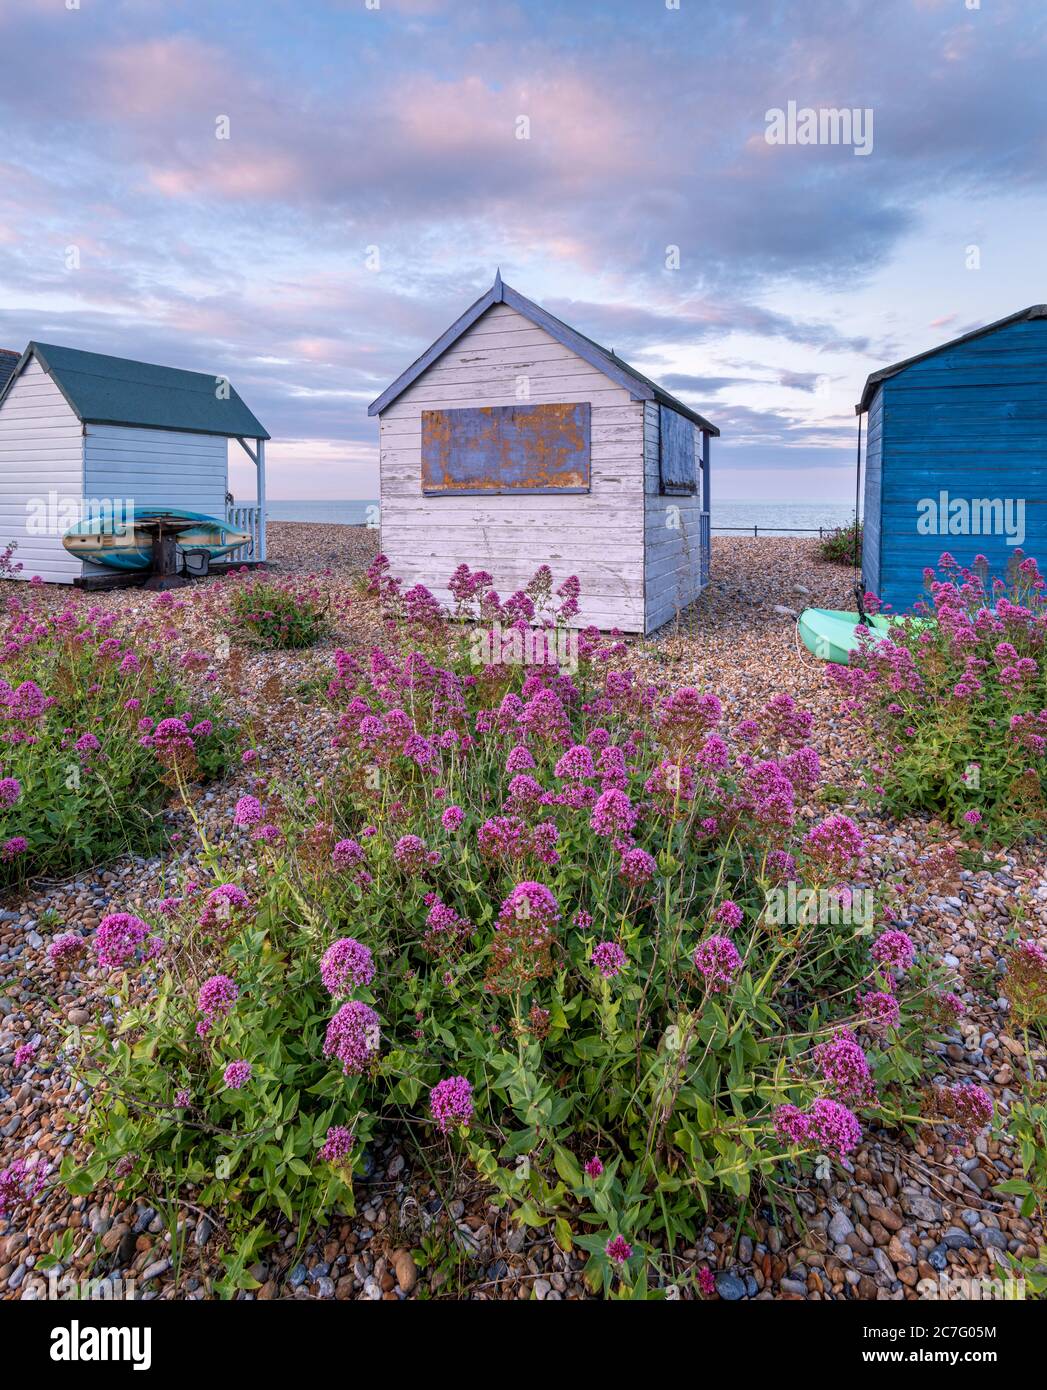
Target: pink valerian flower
(122, 938)
(216, 997)
(524, 791)
(523, 938)
(952, 1004)
(973, 817)
(346, 964)
(670, 784)
(12, 848)
(347, 854)
(445, 930)
(224, 904)
(87, 743)
(728, 915)
(452, 818)
(451, 1103)
(880, 1010)
(19, 1182)
(613, 814)
(65, 948)
(237, 1075)
(835, 845)
(687, 716)
(24, 1055)
(969, 1107)
(894, 949)
(248, 811)
(618, 1250)
(576, 764)
(353, 1037)
(182, 1099)
(171, 740)
(706, 1282)
(718, 961)
(519, 759)
(609, 959)
(780, 866)
(637, 867)
(827, 1126)
(411, 855)
(782, 719)
(10, 790)
(593, 1168)
(503, 837)
(845, 1067)
(337, 1146)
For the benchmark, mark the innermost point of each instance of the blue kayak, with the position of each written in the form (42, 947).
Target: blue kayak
(115, 542)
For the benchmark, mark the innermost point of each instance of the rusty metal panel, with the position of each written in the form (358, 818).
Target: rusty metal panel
(506, 448)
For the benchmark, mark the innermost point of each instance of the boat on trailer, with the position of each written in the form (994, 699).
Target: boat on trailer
(126, 543)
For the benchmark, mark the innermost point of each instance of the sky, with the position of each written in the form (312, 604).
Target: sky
(301, 195)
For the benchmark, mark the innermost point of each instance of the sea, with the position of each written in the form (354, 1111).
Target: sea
(728, 518)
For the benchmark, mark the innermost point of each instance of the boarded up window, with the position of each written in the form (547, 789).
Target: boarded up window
(677, 452)
(506, 448)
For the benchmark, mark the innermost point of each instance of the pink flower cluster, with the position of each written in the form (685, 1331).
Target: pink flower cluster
(346, 964)
(337, 1146)
(718, 961)
(845, 1067)
(122, 938)
(827, 1125)
(609, 959)
(353, 1037)
(451, 1103)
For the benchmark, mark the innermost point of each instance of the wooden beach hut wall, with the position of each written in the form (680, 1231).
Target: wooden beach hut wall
(80, 432)
(956, 456)
(515, 441)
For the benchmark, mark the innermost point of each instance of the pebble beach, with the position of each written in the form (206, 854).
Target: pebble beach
(912, 1208)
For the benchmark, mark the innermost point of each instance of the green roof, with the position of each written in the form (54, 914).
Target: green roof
(116, 391)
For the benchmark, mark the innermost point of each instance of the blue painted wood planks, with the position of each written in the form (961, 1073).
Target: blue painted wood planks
(506, 448)
(957, 460)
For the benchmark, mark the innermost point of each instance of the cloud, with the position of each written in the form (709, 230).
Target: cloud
(397, 129)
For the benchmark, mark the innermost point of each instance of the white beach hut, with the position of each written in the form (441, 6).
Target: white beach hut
(515, 440)
(80, 432)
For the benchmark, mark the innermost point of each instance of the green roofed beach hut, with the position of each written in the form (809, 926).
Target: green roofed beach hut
(81, 433)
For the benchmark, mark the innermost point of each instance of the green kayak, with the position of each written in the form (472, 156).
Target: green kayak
(832, 635)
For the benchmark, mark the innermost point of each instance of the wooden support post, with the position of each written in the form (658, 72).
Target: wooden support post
(260, 468)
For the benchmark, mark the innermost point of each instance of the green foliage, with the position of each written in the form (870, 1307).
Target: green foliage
(269, 614)
(953, 704)
(79, 702)
(669, 1081)
(839, 545)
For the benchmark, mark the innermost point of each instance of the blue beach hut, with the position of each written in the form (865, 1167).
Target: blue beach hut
(956, 456)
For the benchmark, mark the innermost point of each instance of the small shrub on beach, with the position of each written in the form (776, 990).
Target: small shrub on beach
(97, 732)
(839, 546)
(954, 702)
(538, 916)
(270, 614)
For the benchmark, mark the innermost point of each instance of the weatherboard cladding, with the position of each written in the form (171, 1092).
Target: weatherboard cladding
(968, 420)
(116, 391)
